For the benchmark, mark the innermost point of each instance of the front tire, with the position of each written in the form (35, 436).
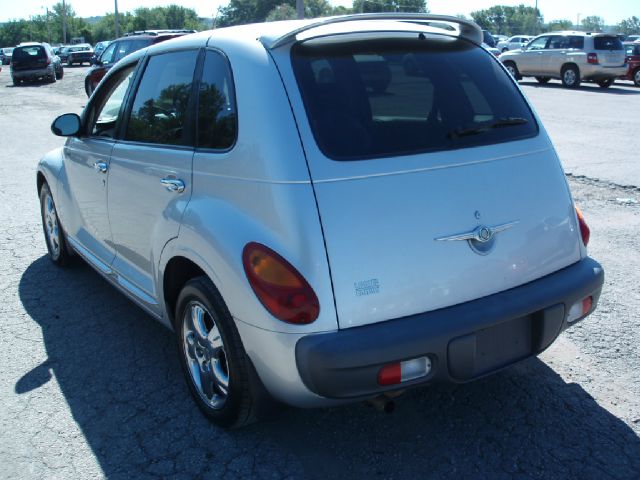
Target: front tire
(218, 372)
(53, 232)
(570, 76)
(513, 70)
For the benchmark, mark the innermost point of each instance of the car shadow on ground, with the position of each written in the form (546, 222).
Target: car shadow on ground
(614, 89)
(119, 373)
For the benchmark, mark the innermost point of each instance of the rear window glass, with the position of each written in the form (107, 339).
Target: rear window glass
(35, 51)
(388, 97)
(607, 43)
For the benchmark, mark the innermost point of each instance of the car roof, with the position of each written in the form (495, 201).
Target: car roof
(583, 34)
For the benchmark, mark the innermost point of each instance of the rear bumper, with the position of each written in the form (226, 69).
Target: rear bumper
(463, 342)
(599, 72)
(32, 73)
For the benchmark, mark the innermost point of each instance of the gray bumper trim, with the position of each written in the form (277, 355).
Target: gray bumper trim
(344, 364)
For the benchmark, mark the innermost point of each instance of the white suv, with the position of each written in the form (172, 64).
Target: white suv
(316, 222)
(570, 57)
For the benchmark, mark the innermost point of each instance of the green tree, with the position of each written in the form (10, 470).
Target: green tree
(630, 26)
(373, 6)
(558, 25)
(239, 12)
(592, 23)
(506, 20)
(282, 12)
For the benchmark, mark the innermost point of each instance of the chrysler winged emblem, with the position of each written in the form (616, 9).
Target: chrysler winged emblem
(481, 233)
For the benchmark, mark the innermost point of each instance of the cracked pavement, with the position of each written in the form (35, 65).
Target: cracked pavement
(90, 386)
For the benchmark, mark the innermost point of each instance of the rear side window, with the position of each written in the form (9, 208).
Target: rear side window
(217, 118)
(576, 42)
(161, 105)
(125, 47)
(607, 43)
(373, 98)
(31, 52)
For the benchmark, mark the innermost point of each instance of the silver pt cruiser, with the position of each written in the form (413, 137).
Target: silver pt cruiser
(323, 211)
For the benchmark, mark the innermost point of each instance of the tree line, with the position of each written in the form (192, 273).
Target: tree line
(523, 20)
(48, 26)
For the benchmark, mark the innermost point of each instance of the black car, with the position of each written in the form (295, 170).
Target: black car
(33, 61)
(122, 47)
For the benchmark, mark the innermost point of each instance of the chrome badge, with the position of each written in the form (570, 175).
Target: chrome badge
(481, 238)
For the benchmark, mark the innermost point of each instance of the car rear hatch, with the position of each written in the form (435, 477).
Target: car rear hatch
(433, 189)
(32, 57)
(610, 50)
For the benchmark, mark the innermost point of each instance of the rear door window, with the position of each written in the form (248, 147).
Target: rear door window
(607, 43)
(576, 42)
(217, 117)
(373, 98)
(160, 110)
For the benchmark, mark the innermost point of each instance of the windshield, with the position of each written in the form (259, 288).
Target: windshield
(389, 97)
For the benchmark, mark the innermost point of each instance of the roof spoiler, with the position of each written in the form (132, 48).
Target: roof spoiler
(466, 28)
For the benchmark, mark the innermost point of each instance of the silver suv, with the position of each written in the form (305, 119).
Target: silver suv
(315, 221)
(570, 57)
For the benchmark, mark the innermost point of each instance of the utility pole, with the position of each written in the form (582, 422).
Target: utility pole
(64, 23)
(300, 9)
(48, 27)
(578, 22)
(117, 21)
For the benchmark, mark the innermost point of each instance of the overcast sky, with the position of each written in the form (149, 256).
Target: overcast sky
(612, 11)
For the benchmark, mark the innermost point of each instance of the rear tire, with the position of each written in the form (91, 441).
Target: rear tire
(60, 73)
(218, 371)
(636, 77)
(16, 82)
(543, 80)
(570, 76)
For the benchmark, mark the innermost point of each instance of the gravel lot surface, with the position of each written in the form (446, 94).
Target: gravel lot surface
(90, 386)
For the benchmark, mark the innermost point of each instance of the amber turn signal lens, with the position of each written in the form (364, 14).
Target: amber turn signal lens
(585, 233)
(281, 289)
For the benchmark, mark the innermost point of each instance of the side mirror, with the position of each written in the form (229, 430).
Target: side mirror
(66, 125)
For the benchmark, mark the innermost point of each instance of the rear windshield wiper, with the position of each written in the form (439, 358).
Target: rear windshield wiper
(497, 123)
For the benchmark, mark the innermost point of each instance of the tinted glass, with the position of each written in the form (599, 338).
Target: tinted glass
(538, 44)
(161, 104)
(558, 42)
(217, 118)
(607, 43)
(30, 52)
(125, 47)
(373, 98)
(108, 106)
(576, 42)
(108, 55)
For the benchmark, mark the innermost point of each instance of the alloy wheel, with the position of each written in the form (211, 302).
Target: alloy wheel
(51, 226)
(205, 354)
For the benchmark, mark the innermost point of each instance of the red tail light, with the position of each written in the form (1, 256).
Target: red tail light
(585, 233)
(48, 61)
(592, 58)
(279, 286)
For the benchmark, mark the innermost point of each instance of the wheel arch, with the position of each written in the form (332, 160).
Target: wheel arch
(177, 272)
